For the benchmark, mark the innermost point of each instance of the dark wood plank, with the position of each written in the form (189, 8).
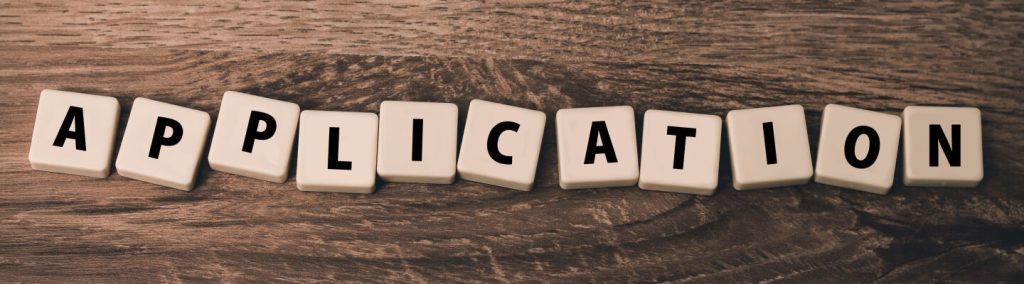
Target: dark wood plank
(706, 58)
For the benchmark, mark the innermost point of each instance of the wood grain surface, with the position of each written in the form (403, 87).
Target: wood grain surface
(704, 57)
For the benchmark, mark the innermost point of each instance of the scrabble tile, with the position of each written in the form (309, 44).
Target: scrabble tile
(596, 147)
(501, 145)
(74, 133)
(254, 136)
(680, 152)
(163, 143)
(857, 149)
(337, 151)
(417, 142)
(769, 147)
(942, 146)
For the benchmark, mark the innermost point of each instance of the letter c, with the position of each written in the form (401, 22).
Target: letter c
(492, 141)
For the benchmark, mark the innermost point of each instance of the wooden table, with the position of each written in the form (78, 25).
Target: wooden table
(694, 57)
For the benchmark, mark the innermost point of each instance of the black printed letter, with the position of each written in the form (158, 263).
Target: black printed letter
(252, 134)
(492, 141)
(680, 133)
(952, 150)
(74, 115)
(769, 143)
(851, 147)
(599, 128)
(159, 133)
(417, 139)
